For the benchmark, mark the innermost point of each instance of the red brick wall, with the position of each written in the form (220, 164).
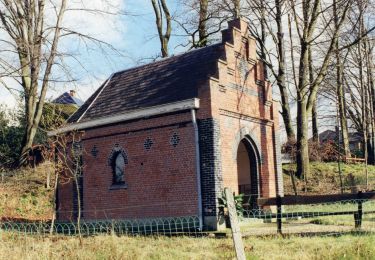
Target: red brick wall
(160, 181)
(242, 103)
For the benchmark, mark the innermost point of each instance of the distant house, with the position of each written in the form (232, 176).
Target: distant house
(68, 98)
(355, 139)
(56, 112)
(164, 139)
(54, 115)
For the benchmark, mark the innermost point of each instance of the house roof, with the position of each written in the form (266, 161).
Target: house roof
(67, 99)
(327, 135)
(330, 135)
(169, 80)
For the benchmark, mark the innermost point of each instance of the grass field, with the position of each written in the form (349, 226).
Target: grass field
(23, 195)
(113, 247)
(324, 178)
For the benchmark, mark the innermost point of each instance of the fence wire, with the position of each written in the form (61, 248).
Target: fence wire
(156, 226)
(345, 216)
(340, 217)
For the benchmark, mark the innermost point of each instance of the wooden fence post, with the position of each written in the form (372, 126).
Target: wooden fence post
(359, 213)
(279, 213)
(236, 232)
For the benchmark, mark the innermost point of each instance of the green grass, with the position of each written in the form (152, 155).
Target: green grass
(23, 194)
(113, 247)
(324, 178)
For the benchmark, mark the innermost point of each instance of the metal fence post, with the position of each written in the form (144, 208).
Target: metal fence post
(279, 213)
(359, 213)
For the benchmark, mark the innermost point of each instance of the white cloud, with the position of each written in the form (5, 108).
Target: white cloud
(97, 23)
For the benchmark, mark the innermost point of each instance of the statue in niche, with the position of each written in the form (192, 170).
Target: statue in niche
(119, 169)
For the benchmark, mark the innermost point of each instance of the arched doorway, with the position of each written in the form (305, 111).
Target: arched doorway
(248, 171)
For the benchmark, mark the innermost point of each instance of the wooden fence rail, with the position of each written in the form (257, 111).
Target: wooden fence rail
(279, 201)
(315, 199)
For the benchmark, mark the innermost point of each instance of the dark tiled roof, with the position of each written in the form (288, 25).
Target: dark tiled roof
(327, 135)
(66, 98)
(330, 135)
(169, 80)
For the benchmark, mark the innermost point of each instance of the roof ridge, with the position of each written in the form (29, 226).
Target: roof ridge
(168, 58)
(180, 62)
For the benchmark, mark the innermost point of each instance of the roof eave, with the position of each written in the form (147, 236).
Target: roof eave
(131, 115)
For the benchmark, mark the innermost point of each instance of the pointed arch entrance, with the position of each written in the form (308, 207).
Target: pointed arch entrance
(248, 168)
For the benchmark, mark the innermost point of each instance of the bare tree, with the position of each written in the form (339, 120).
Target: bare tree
(68, 169)
(202, 26)
(31, 31)
(307, 89)
(263, 15)
(281, 74)
(340, 89)
(237, 8)
(202, 20)
(358, 78)
(24, 22)
(160, 7)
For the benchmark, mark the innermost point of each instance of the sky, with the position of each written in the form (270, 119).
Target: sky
(133, 34)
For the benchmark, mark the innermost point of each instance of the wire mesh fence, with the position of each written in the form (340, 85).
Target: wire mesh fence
(311, 218)
(300, 215)
(156, 226)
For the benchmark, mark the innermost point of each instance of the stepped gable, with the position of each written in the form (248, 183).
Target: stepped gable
(169, 80)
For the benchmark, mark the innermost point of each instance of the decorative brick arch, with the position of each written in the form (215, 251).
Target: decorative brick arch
(242, 134)
(253, 148)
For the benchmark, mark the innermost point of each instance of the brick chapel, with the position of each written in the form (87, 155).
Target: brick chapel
(164, 139)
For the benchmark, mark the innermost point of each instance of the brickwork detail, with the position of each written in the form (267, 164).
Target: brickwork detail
(148, 143)
(175, 139)
(211, 175)
(94, 151)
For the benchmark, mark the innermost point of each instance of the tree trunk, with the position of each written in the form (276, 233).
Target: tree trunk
(160, 7)
(303, 162)
(202, 27)
(364, 98)
(302, 116)
(237, 8)
(371, 99)
(342, 112)
(281, 79)
(340, 91)
(314, 118)
(27, 143)
(314, 112)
